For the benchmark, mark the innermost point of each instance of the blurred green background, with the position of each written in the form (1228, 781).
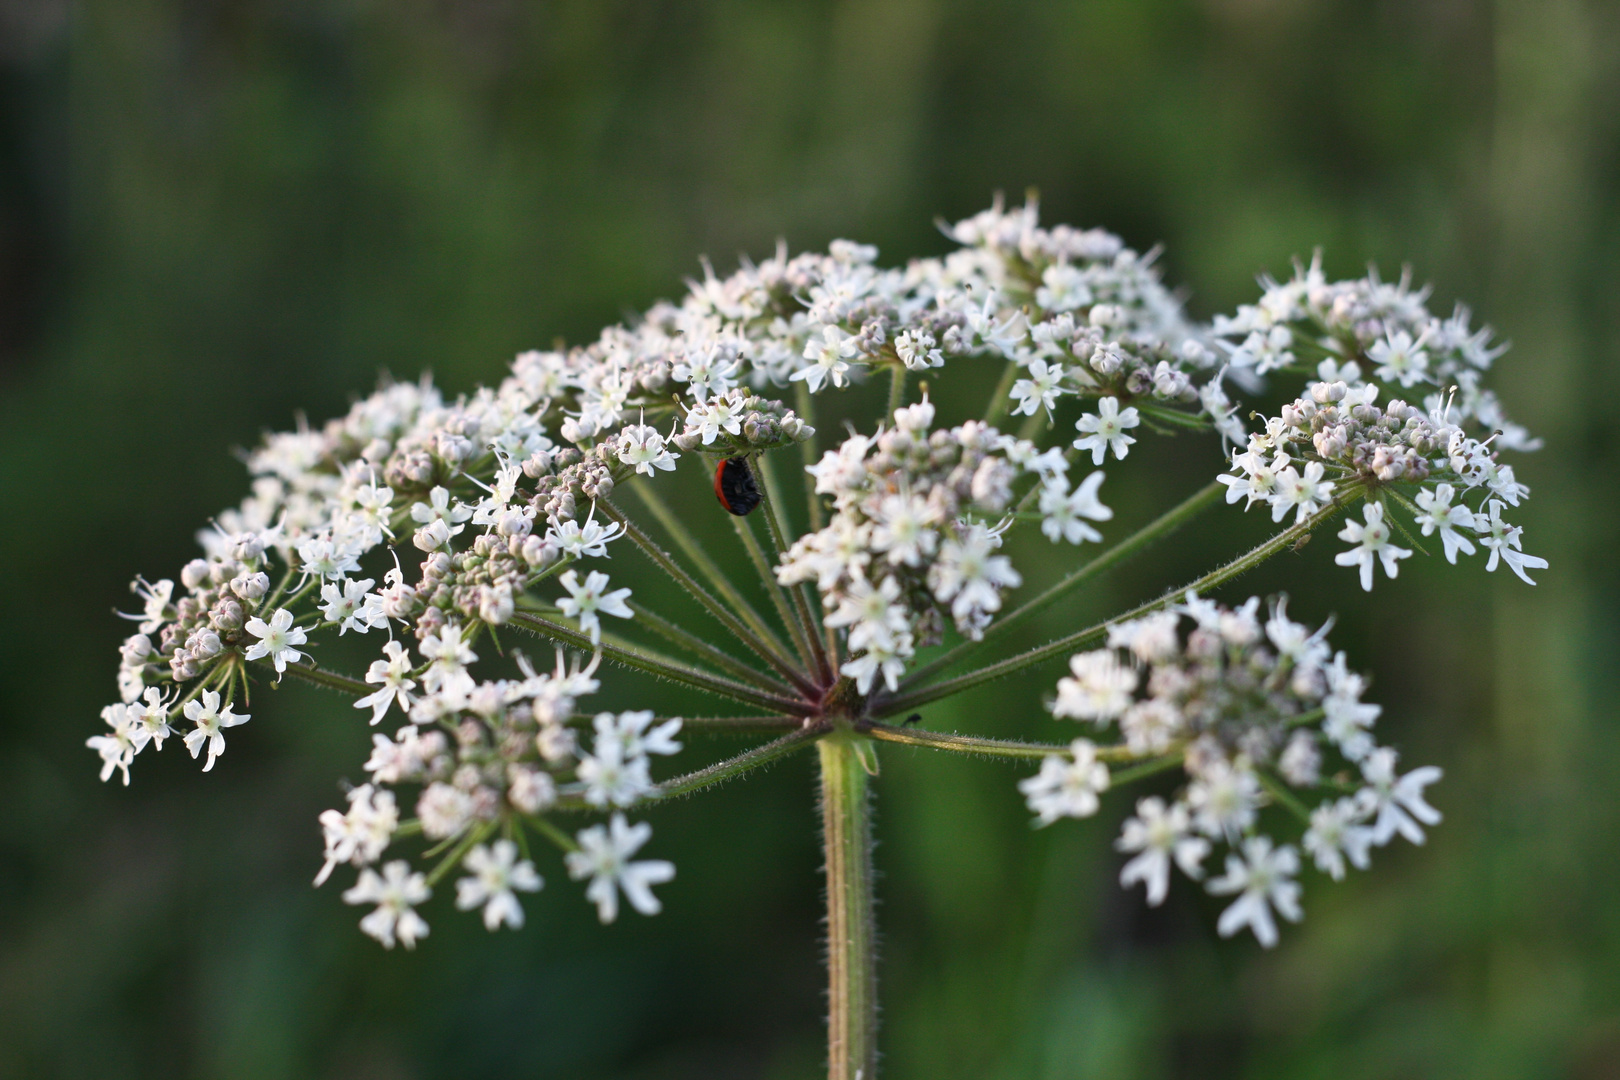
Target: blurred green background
(216, 214)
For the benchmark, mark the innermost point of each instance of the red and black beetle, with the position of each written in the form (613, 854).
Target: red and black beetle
(734, 486)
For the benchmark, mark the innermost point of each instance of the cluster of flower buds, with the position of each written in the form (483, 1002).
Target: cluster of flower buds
(744, 421)
(484, 756)
(915, 530)
(1336, 439)
(1257, 713)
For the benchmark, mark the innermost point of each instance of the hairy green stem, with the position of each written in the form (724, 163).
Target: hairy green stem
(905, 702)
(1158, 529)
(329, 679)
(675, 672)
(981, 747)
(897, 388)
(846, 818)
(740, 765)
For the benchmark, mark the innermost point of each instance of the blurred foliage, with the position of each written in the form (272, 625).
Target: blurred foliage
(213, 215)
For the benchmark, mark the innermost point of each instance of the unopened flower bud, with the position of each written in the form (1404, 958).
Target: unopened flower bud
(194, 573)
(514, 523)
(250, 586)
(135, 650)
(204, 644)
(432, 536)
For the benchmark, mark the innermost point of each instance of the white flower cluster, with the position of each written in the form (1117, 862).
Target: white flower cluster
(485, 754)
(1253, 711)
(432, 521)
(914, 533)
(1429, 458)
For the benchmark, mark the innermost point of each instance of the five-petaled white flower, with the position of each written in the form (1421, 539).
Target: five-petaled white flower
(395, 892)
(393, 675)
(1041, 390)
(1396, 803)
(497, 876)
(585, 602)
(1373, 543)
(604, 857)
(1064, 513)
(1439, 513)
(1160, 835)
(277, 639)
(1263, 878)
(827, 358)
(1105, 429)
(210, 719)
(1503, 541)
(1066, 787)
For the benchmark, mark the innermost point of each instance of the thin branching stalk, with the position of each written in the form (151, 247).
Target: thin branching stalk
(811, 450)
(674, 672)
(693, 550)
(329, 679)
(779, 600)
(897, 388)
(1001, 396)
(767, 647)
(980, 747)
(679, 635)
(740, 765)
(803, 605)
(1161, 527)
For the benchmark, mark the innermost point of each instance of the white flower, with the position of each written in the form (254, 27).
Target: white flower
(635, 733)
(588, 538)
(345, 603)
(1064, 787)
(891, 662)
(612, 777)
(1264, 878)
(445, 810)
(208, 717)
(905, 528)
(149, 720)
(448, 656)
(873, 614)
(360, 835)
(1439, 513)
(393, 675)
(1100, 690)
(395, 893)
(1224, 800)
(643, 448)
(1160, 835)
(439, 509)
(604, 855)
(1373, 541)
(118, 749)
(1396, 802)
(1105, 429)
(155, 603)
(1306, 493)
(495, 875)
(1336, 832)
(1503, 541)
(276, 639)
(1041, 390)
(1152, 637)
(1062, 511)
(827, 356)
(1399, 357)
(586, 601)
(916, 349)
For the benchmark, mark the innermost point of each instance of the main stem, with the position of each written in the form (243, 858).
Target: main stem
(846, 821)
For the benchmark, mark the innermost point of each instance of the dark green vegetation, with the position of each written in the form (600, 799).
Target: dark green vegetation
(214, 215)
